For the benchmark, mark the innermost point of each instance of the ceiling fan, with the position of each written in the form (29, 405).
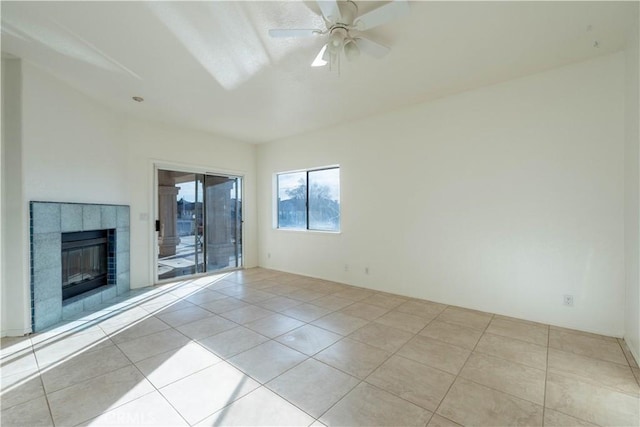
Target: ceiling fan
(345, 28)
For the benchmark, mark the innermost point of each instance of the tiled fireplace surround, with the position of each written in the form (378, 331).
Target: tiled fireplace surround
(48, 221)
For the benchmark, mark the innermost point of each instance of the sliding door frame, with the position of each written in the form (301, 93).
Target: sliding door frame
(195, 169)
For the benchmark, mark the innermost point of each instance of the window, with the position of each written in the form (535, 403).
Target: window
(309, 200)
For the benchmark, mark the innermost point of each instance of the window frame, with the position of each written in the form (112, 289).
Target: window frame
(306, 229)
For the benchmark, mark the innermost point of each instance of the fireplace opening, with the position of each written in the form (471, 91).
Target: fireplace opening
(84, 262)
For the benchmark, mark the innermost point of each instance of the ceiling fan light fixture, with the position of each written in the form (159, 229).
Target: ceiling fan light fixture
(336, 40)
(351, 50)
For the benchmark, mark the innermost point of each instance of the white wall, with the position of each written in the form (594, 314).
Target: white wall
(74, 149)
(150, 143)
(632, 193)
(14, 249)
(501, 199)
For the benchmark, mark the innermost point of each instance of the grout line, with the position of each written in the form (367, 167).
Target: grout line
(444, 396)
(546, 375)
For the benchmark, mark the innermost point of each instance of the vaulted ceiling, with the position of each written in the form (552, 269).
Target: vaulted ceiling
(212, 65)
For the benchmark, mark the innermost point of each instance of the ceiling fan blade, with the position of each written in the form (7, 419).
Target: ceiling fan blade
(382, 15)
(293, 33)
(330, 10)
(322, 58)
(372, 48)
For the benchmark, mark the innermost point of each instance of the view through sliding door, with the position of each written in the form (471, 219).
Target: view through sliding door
(199, 223)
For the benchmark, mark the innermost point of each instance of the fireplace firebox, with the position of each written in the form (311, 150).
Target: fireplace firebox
(84, 261)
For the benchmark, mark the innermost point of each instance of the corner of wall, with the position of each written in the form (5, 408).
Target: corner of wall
(632, 189)
(13, 290)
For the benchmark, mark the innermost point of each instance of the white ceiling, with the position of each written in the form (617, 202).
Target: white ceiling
(212, 66)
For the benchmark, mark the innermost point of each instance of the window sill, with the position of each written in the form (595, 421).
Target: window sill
(298, 230)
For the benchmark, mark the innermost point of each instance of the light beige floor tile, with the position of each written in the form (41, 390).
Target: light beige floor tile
(206, 327)
(261, 407)
(306, 312)
(464, 317)
(340, 323)
(19, 362)
(284, 290)
(514, 350)
(333, 302)
(583, 333)
(513, 378)
(278, 303)
(83, 367)
(131, 331)
(353, 357)
(20, 388)
(62, 331)
(90, 398)
(404, 321)
(367, 405)
(558, 419)
(452, 334)
(123, 317)
(587, 345)
(533, 333)
(34, 413)
(627, 353)
(167, 307)
(204, 296)
(594, 371)
(436, 354)
(185, 290)
(205, 392)
(439, 421)
(384, 300)
(309, 339)
(223, 305)
(382, 336)
(468, 403)
(233, 341)
(412, 381)
(247, 314)
(306, 295)
(313, 386)
(13, 345)
(274, 325)
(56, 350)
(598, 405)
(519, 320)
(354, 294)
(267, 361)
(165, 368)
(158, 301)
(426, 309)
(253, 296)
(149, 410)
(364, 311)
(150, 345)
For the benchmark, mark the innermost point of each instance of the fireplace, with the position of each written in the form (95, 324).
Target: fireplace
(84, 262)
(89, 269)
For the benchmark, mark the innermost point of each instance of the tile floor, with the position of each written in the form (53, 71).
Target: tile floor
(259, 347)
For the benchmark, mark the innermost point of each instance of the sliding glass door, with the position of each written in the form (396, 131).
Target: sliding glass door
(199, 223)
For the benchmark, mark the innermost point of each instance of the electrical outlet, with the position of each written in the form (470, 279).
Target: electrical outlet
(567, 300)
(366, 270)
(346, 267)
(269, 255)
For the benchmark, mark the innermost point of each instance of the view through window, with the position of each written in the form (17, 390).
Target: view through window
(309, 200)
